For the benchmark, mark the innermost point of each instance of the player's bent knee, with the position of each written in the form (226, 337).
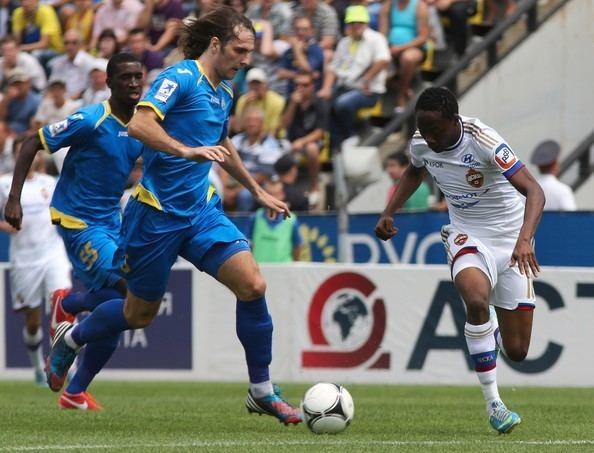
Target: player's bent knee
(516, 353)
(476, 305)
(253, 289)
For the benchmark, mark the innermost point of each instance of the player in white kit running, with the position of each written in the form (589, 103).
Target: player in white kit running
(38, 261)
(494, 205)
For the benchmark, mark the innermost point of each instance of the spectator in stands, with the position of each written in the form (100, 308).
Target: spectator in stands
(6, 9)
(20, 102)
(305, 119)
(559, 196)
(395, 165)
(74, 66)
(405, 23)
(356, 77)
(258, 95)
(267, 53)
(324, 20)
(55, 105)
(107, 44)
(38, 30)
(287, 171)
(275, 240)
(202, 7)
(81, 19)
(457, 12)
(161, 19)
(304, 55)
(98, 91)
(277, 12)
(12, 58)
(119, 15)
(6, 148)
(139, 46)
(259, 150)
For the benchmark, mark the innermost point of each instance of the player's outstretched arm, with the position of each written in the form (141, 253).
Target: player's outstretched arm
(145, 126)
(234, 166)
(13, 212)
(523, 254)
(410, 181)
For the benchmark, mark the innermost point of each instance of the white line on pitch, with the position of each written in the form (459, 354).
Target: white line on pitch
(289, 443)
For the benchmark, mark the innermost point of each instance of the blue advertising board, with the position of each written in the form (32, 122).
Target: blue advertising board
(165, 344)
(562, 239)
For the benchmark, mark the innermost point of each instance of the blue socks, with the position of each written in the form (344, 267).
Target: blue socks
(94, 359)
(253, 325)
(77, 302)
(105, 321)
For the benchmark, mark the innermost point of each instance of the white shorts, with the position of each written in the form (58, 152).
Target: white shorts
(29, 286)
(509, 288)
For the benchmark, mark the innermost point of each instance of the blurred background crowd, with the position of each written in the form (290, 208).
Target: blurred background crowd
(319, 71)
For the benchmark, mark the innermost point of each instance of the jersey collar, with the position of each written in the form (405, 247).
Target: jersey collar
(455, 145)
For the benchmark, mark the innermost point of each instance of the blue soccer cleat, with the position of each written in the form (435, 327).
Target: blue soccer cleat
(275, 406)
(60, 358)
(501, 418)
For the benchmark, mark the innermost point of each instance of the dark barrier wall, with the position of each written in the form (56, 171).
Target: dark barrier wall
(563, 239)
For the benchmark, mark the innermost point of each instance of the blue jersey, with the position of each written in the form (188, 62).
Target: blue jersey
(196, 113)
(96, 168)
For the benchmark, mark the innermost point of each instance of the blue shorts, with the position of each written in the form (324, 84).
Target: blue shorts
(91, 252)
(151, 241)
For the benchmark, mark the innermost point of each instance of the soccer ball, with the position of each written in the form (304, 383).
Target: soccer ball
(327, 408)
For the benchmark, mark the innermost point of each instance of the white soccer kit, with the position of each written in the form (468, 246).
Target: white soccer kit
(38, 261)
(486, 211)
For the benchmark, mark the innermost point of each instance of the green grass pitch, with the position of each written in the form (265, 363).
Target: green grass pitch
(190, 416)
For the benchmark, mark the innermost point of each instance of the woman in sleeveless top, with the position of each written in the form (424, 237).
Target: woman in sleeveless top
(405, 23)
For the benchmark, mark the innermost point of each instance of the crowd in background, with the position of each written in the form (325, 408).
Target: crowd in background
(316, 65)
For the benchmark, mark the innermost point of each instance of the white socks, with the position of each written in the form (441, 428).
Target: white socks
(34, 349)
(482, 348)
(261, 389)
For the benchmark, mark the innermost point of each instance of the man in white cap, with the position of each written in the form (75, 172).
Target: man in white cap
(259, 96)
(559, 196)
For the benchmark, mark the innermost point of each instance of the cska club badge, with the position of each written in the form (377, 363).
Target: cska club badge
(474, 178)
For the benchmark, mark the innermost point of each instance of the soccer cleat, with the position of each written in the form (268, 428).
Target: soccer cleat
(60, 358)
(501, 418)
(273, 405)
(83, 401)
(58, 314)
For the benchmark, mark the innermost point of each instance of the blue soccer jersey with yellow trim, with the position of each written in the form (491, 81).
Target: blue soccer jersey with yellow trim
(96, 168)
(194, 112)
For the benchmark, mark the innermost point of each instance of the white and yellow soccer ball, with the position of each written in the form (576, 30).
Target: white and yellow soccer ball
(327, 408)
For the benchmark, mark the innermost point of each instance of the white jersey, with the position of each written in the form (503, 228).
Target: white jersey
(559, 196)
(473, 176)
(38, 241)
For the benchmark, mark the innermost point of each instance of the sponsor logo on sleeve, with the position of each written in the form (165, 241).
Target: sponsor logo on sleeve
(56, 128)
(165, 90)
(505, 157)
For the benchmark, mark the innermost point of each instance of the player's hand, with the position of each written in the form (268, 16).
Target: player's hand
(13, 213)
(523, 256)
(215, 153)
(274, 206)
(385, 229)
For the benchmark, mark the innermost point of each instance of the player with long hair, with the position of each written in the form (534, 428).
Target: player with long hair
(175, 212)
